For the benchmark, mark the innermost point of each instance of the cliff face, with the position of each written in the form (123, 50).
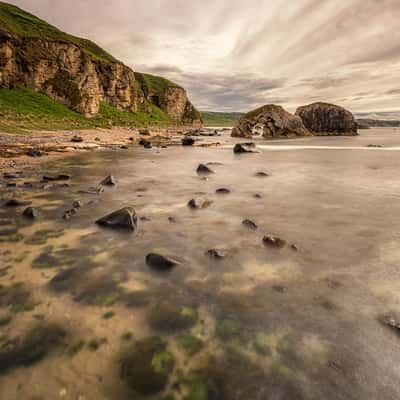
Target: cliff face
(78, 73)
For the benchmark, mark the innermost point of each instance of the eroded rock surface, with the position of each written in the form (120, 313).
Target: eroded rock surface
(327, 119)
(271, 121)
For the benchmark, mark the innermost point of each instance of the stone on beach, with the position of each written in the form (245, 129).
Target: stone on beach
(160, 262)
(108, 181)
(187, 141)
(125, 218)
(274, 241)
(249, 224)
(241, 148)
(16, 203)
(30, 213)
(204, 170)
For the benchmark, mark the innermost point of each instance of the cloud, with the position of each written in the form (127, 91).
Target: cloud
(231, 56)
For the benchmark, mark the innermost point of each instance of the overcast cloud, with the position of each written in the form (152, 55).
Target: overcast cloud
(235, 55)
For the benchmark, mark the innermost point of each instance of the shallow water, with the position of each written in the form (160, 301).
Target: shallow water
(273, 323)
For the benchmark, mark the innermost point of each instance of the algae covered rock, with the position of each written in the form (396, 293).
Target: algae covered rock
(271, 121)
(327, 119)
(146, 368)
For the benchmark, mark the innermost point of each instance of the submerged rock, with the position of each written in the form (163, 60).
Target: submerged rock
(204, 170)
(193, 204)
(250, 224)
(327, 119)
(30, 213)
(108, 181)
(270, 120)
(222, 191)
(125, 218)
(33, 347)
(215, 253)
(16, 203)
(274, 241)
(60, 177)
(160, 262)
(146, 368)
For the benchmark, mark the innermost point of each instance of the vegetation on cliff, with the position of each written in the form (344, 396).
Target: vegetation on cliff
(211, 118)
(19, 22)
(23, 110)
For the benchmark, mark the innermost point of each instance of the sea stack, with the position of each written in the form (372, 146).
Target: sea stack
(323, 119)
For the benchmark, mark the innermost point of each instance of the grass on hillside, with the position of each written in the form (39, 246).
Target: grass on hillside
(17, 21)
(220, 118)
(23, 110)
(155, 83)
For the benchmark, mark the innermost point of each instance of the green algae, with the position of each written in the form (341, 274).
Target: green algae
(190, 344)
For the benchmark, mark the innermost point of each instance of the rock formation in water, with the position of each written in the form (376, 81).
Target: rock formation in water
(327, 119)
(78, 73)
(271, 121)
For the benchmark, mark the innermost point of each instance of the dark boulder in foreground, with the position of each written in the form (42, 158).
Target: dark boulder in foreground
(108, 181)
(125, 218)
(204, 170)
(271, 121)
(187, 141)
(146, 368)
(160, 262)
(16, 203)
(327, 119)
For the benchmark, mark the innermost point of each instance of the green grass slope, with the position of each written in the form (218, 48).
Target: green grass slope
(23, 110)
(19, 22)
(156, 84)
(220, 118)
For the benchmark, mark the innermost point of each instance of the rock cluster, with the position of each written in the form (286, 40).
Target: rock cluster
(327, 119)
(271, 121)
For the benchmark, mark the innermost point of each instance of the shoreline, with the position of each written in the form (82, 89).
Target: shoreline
(24, 151)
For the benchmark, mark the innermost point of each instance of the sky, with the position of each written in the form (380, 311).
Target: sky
(235, 55)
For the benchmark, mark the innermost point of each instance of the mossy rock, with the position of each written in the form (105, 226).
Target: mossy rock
(170, 316)
(262, 344)
(190, 344)
(33, 347)
(146, 368)
(198, 391)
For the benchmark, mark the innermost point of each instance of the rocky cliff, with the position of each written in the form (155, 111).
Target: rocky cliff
(327, 119)
(78, 73)
(271, 121)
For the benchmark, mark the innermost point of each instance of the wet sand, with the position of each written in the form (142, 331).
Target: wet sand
(273, 323)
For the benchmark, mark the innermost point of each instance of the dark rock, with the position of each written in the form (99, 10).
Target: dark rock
(125, 218)
(148, 145)
(69, 213)
(124, 147)
(16, 203)
(11, 176)
(392, 321)
(97, 139)
(35, 153)
(270, 120)
(294, 247)
(144, 132)
(187, 141)
(147, 366)
(108, 181)
(257, 196)
(327, 119)
(60, 177)
(250, 224)
(193, 204)
(30, 213)
(77, 204)
(261, 174)
(145, 219)
(172, 220)
(273, 241)
(77, 139)
(222, 191)
(160, 262)
(204, 170)
(375, 145)
(132, 139)
(11, 184)
(215, 253)
(240, 149)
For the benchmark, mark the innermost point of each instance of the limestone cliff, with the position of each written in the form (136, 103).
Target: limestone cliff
(78, 73)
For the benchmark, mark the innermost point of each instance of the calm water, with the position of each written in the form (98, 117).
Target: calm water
(83, 317)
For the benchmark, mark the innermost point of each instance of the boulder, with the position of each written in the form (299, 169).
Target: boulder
(203, 169)
(125, 218)
(187, 141)
(16, 203)
(29, 213)
(108, 181)
(240, 148)
(160, 262)
(327, 119)
(272, 121)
